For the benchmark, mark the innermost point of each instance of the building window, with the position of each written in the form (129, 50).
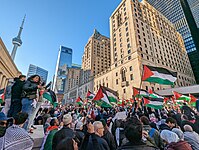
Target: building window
(116, 81)
(123, 74)
(130, 68)
(131, 76)
(124, 90)
(116, 74)
(129, 58)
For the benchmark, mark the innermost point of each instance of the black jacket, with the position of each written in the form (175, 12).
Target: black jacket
(17, 89)
(137, 146)
(62, 134)
(29, 89)
(109, 139)
(94, 142)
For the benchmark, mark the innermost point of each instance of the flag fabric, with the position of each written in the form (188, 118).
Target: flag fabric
(79, 101)
(112, 95)
(193, 100)
(102, 99)
(51, 97)
(140, 92)
(179, 96)
(159, 75)
(2, 95)
(156, 103)
(90, 95)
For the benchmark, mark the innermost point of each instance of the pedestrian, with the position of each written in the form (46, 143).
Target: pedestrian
(3, 124)
(67, 144)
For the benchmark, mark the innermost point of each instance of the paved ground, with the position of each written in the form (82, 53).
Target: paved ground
(38, 135)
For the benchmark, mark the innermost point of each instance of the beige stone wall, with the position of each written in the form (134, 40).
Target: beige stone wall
(97, 56)
(140, 35)
(8, 69)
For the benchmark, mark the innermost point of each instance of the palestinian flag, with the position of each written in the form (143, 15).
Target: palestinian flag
(159, 75)
(140, 92)
(154, 95)
(79, 101)
(193, 100)
(156, 103)
(2, 95)
(90, 95)
(112, 95)
(179, 96)
(101, 98)
(51, 97)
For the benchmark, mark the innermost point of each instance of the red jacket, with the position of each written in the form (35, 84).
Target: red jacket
(181, 145)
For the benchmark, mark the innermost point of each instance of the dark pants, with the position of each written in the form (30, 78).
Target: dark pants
(15, 107)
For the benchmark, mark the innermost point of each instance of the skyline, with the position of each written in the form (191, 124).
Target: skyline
(51, 26)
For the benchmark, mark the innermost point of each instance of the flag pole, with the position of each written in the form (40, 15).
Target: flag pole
(141, 84)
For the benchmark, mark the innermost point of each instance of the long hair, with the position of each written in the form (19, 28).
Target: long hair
(33, 76)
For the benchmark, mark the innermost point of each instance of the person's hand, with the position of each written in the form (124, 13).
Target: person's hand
(145, 134)
(90, 128)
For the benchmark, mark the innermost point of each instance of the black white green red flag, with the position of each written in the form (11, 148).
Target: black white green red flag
(79, 101)
(90, 95)
(2, 95)
(159, 75)
(105, 97)
(139, 93)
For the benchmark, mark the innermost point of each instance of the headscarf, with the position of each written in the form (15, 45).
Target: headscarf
(179, 133)
(169, 136)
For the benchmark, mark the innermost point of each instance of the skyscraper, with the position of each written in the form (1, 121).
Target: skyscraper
(39, 71)
(173, 11)
(17, 41)
(97, 55)
(194, 6)
(64, 61)
(140, 35)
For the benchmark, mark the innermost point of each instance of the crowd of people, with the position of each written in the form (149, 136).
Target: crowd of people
(91, 127)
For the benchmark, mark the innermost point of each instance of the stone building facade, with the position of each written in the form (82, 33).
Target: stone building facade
(140, 35)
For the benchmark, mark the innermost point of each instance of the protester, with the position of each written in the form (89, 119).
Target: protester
(29, 94)
(16, 92)
(16, 138)
(3, 124)
(8, 96)
(65, 132)
(173, 142)
(67, 144)
(93, 139)
(191, 137)
(51, 130)
(168, 125)
(134, 134)
(79, 132)
(108, 136)
(153, 133)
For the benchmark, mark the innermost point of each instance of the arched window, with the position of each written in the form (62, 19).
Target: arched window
(123, 74)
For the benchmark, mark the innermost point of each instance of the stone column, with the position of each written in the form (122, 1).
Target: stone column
(1, 79)
(3, 82)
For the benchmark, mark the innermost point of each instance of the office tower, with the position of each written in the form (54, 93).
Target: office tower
(194, 7)
(97, 56)
(64, 61)
(173, 10)
(140, 35)
(35, 70)
(17, 41)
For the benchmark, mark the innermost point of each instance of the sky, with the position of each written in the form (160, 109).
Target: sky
(49, 24)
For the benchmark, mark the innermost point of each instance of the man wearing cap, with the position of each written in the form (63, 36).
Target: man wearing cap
(65, 132)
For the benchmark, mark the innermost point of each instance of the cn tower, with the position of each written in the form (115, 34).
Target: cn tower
(17, 40)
